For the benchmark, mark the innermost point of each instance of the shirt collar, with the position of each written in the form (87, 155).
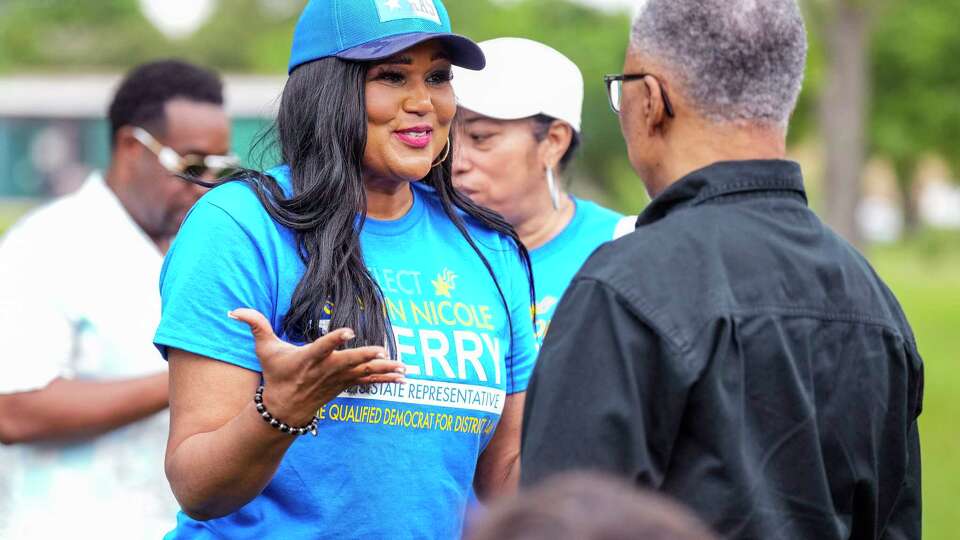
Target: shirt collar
(725, 178)
(109, 213)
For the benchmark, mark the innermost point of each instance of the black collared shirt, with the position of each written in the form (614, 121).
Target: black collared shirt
(738, 355)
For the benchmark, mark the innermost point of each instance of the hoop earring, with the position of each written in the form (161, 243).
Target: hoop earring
(446, 153)
(554, 188)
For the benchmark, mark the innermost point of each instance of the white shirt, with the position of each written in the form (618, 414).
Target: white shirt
(79, 299)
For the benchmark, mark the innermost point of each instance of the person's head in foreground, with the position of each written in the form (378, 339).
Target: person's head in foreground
(519, 128)
(706, 81)
(359, 265)
(166, 120)
(588, 506)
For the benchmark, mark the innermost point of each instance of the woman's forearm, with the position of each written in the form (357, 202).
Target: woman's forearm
(215, 473)
(498, 469)
(221, 454)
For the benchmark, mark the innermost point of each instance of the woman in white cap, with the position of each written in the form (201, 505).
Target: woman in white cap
(358, 240)
(518, 129)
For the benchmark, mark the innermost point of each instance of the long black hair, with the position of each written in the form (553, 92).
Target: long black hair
(321, 131)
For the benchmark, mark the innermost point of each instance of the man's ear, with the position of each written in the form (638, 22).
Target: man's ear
(126, 155)
(655, 114)
(555, 145)
(124, 143)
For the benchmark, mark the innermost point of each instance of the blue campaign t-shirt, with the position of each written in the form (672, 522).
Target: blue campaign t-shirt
(556, 262)
(391, 461)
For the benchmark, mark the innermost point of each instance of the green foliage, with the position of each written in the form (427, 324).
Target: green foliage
(914, 52)
(51, 35)
(243, 37)
(803, 123)
(84, 35)
(916, 77)
(74, 35)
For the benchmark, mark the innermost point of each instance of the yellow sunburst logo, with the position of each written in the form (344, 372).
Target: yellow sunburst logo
(445, 283)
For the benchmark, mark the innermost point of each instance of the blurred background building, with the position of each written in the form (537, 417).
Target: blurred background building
(53, 130)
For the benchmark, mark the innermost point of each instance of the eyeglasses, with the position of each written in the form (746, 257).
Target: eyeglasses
(615, 90)
(191, 165)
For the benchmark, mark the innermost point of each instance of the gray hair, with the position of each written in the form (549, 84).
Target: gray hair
(737, 60)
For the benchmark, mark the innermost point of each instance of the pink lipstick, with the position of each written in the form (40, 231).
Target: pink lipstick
(416, 136)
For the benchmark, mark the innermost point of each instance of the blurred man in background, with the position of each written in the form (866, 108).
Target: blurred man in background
(733, 351)
(83, 392)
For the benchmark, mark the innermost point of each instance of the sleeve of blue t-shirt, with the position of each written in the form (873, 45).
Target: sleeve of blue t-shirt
(215, 265)
(523, 351)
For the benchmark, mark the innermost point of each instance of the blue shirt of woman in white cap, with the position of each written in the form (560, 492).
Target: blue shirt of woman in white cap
(357, 241)
(519, 129)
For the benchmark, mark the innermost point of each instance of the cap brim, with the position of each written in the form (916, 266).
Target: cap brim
(463, 51)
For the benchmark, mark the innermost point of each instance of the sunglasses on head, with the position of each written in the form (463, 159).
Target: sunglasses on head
(192, 165)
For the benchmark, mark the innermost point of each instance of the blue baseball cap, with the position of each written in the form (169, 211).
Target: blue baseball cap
(365, 30)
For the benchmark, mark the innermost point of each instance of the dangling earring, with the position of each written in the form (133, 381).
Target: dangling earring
(446, 152)
(554, 188)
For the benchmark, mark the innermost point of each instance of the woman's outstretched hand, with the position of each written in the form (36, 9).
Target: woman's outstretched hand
(299, 380)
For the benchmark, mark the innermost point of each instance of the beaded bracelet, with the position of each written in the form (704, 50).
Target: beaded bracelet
(274, 423)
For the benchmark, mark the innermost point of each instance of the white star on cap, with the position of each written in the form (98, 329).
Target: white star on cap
(393, 4)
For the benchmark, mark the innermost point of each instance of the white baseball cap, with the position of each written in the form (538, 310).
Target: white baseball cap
(523, 78)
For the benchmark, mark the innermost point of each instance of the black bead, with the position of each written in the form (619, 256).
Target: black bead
(284, 428)
(274, 422)
(260, 408)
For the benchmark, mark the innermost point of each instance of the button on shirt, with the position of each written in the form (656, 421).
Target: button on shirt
(79, 300)
(736, 354)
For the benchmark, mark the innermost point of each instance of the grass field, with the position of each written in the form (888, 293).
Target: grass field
(924, 273)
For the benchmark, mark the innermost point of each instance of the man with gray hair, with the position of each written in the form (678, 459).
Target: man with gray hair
(733, 351)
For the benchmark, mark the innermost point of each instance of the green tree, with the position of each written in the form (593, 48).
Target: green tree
(845, 27)
(84, 35)
(888, 90)
(37, 35)
(916, 77)
(243, 36)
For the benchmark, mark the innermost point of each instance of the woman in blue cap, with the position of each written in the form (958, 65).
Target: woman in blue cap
(520, 128)
(359, 240)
